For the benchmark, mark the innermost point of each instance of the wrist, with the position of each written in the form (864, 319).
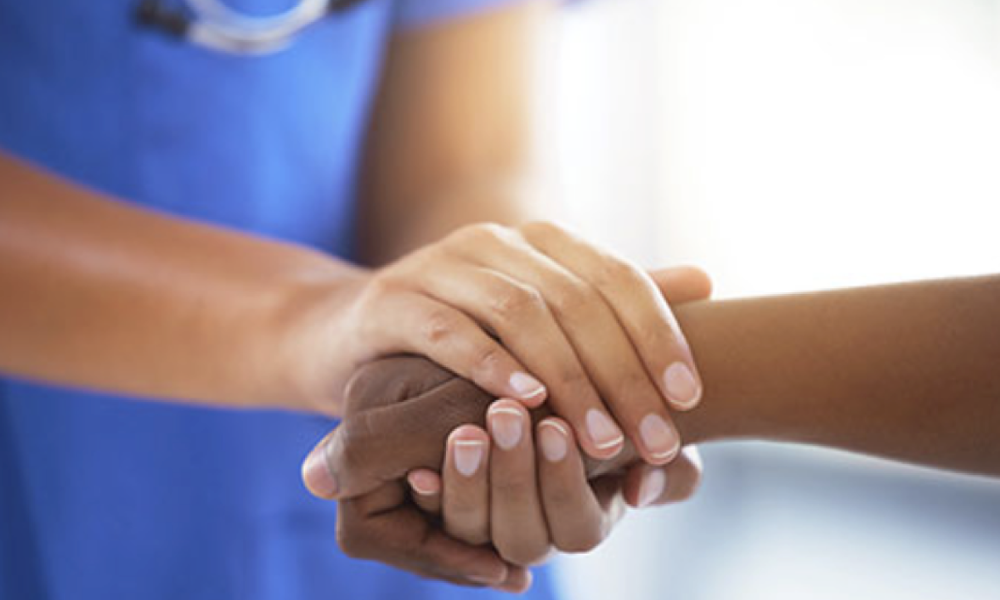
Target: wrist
(307, 339)
(728, 408)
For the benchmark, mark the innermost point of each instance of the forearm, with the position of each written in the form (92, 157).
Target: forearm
(910, 372)
(452, 143)
(395, 219)
(101, 294)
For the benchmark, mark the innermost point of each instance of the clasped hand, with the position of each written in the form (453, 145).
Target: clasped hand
(406, 415)
(437, 478)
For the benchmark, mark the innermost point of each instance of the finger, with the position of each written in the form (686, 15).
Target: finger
(518, 580)
(640, 309)
(425, 490)
(608, 489)
(517, 522)
(381, 445)
(607, 355)
(576, 521)
(455, 341)
(382, 526)
(682, 284)
(572, 392)
(392, 380)
(519, 316)
(466, 502)
(647, 486)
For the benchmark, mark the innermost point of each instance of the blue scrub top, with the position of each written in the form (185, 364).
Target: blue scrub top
(105, 497)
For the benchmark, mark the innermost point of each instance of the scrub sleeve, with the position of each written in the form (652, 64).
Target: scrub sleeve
(110, 498)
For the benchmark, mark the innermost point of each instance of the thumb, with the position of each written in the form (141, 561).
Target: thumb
(372, 447)
(682, 284)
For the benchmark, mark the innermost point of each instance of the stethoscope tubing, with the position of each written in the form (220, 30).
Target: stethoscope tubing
(214, 25)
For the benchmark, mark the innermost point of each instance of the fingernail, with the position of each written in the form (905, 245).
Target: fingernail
(653, 484)
(603, 430)
(423, 483)
(526, 387)
(659, 439)
(552, 439)
(468, 456)
(506, 426)
(682, 387)
(317, 475)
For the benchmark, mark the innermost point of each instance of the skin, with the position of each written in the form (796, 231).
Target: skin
(102, 294)
(905, 372)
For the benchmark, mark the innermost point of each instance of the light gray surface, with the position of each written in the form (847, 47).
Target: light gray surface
(781, 522)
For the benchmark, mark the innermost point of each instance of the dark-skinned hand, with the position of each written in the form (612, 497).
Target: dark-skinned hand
(399, 414)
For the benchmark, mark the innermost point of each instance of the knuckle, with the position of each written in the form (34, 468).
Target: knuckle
(611, 271)
(573, 299)
(379, 287)
(350, 454)
(438, 327)
(615, 273)
(488, 358)
(542, 229)
(361, 383)
(479, 233)
(463, 510)
(515, 302)
(514, 486)
(560, 497)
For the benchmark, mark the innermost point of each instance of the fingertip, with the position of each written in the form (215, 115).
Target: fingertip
(518, 581)
(631, 485)
(554, 439)
(683, 386)
(468, 449)
(527, 389)
(660, 440)
(699, 281)
(494, 579)
(424, 482)
(603, 438)
(316, 474)
(468, 431)
(683, 284)
(654, 484)
(507, 421)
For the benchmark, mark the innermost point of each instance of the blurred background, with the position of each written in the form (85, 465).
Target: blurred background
(790, 145)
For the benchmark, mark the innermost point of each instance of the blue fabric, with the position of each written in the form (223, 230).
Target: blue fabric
(416, 13)
(104, 497)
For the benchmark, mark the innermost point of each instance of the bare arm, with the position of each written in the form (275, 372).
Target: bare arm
(99, 293)
(903, 371)
(908, 372)
(109, 296)
(452, 138)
